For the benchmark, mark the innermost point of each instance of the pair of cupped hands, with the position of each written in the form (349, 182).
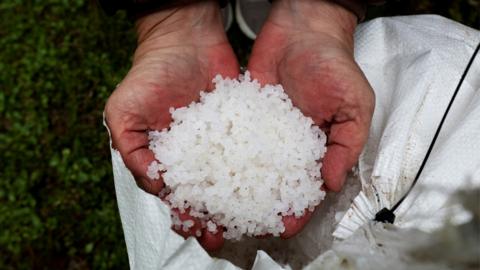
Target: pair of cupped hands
(305, 45)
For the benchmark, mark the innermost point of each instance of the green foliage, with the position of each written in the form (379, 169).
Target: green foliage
(59, 61)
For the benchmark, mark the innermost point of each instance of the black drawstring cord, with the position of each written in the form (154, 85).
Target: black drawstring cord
(387, 215)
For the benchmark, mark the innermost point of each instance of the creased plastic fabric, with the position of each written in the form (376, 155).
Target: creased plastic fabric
(413, 64)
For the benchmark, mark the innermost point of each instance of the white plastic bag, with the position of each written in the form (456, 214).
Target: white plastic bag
(422, 61)
(413, 64)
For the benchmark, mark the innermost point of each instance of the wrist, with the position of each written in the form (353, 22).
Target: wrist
(187, 19)
(321, 16)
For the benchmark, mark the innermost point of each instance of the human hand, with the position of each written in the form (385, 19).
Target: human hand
(179, 52)
(307, 46)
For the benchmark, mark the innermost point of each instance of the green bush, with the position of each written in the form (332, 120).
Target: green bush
(59, 61)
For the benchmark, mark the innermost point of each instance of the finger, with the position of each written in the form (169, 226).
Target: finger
(294, 225)
(187, 232)
(133, 147)
(345, 143)
(212, 241)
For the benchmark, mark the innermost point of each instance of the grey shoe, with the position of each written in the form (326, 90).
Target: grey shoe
(250, 15)
(227, 16)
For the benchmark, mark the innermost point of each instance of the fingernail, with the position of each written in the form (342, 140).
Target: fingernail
(151, 186)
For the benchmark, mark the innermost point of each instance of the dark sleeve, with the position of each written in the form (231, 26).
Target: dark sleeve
(141, 7)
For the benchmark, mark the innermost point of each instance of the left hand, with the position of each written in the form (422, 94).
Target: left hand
(179, 51)
(307, 46)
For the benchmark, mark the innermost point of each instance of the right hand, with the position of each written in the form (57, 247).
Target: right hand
(179, 52)
(307, 46)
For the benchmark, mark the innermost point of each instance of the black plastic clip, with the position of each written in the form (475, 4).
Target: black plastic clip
(385, 216)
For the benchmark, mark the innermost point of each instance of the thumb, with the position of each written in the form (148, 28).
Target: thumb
(132, 143)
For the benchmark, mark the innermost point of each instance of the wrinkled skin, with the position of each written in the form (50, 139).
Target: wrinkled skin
(181, 49)
(307, 46)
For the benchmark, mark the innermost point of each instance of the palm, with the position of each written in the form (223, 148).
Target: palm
(158, 80)
(322, 79)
